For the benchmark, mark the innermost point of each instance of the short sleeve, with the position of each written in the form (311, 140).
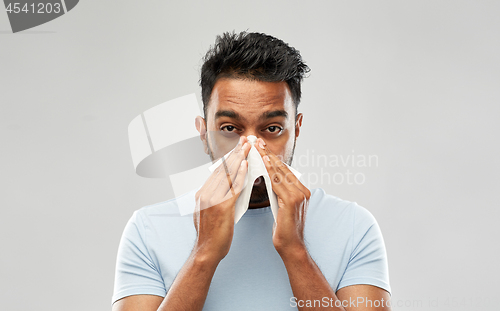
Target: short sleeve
(368, 259)
(136, 273)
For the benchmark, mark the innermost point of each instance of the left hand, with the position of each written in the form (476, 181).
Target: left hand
(293, 200)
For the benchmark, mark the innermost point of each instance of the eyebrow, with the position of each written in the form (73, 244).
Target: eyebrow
(227, 113)
(266, 115)
(273, 114)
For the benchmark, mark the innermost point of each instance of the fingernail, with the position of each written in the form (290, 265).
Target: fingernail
(262, 143)
(266, 158)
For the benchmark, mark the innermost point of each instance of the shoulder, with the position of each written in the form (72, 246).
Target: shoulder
(321, 202)
(165, 216)
(173, 207)
(326, 210)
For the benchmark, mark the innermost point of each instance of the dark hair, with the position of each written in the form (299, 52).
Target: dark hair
(254, 56)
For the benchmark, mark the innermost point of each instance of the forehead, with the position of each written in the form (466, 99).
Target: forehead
(249, 97)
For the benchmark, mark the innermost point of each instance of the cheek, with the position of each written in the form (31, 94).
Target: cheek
(283, 149)
(221, 143)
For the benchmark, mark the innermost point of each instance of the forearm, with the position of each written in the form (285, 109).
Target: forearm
(310, 288)
(190, 287)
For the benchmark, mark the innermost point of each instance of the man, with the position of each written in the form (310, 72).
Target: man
(333, 259)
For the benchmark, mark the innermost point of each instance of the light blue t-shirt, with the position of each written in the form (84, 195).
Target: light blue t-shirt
(342, 237)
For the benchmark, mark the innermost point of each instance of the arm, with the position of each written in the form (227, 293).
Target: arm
(307, 281)
(310, 288)
(188, 291)
(309, 285)
(214, 223)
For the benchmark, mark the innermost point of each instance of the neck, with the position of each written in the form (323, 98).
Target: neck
(259, 204)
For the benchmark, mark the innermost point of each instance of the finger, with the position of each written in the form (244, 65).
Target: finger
(233, 173)
(241, 152)
(286, 191)
(235, 154)
(222, 170)
(237, 186)
(228, 176)
(231, 166)
(239, 181)
(223, 176)
(285, 174)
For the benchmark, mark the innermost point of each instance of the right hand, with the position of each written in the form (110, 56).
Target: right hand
(214, 212)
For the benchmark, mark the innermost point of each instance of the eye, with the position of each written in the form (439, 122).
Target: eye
(274, 129)
(228, 128)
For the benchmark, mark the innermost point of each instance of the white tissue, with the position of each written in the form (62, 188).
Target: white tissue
(256, 168)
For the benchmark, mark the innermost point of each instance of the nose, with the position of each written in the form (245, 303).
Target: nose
(251, 133)
(252, 139)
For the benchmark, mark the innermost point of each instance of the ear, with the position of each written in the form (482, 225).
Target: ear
(201, 127)
(298, 124)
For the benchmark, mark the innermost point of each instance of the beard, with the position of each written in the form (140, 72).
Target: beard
(259, 192)
(259, 197)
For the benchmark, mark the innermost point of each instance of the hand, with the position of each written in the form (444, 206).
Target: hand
(214, 211)
(293, 200)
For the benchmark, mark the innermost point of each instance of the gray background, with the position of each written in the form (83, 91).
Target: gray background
(414, 82)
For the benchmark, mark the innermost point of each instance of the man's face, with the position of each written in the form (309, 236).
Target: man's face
(245, 107)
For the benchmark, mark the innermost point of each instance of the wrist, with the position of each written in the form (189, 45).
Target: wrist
(202, 257)
(294, 255)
